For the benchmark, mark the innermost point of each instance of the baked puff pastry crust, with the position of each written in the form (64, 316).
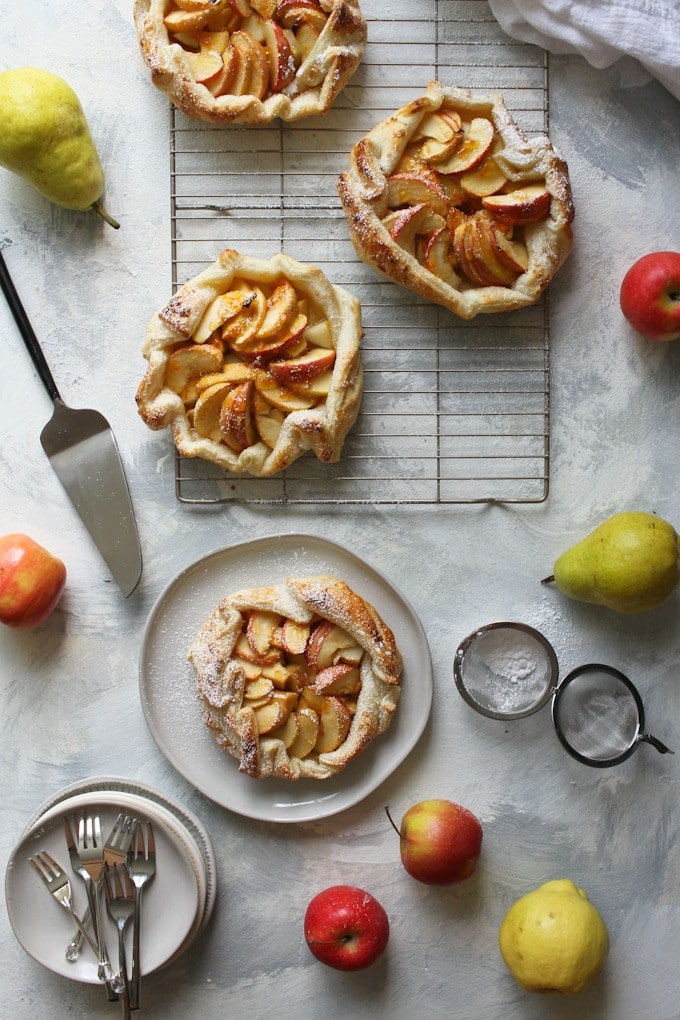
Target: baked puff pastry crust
(296, 679)
(250, 61)
(448, 198)
(253, 362)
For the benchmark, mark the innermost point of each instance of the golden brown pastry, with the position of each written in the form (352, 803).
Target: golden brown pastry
(249, 61)
(296, 679)
(253, 362)
(448, 198)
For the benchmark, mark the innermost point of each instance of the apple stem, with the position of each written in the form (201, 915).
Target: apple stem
(387, 812)
(101, 211)
(548, 580)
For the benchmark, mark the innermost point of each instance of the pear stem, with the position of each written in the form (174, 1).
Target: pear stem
(548, 580)
(105, 216)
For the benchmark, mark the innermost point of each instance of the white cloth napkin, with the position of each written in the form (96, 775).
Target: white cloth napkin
(601, 31)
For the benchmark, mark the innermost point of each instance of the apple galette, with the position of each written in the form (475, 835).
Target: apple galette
(296, 679)
(249, 61)
(253, 362)
(448, 198)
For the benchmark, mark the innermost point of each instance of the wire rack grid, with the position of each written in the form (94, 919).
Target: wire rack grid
(452, 411)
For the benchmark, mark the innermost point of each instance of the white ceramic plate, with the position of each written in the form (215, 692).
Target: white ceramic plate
(170, 904)
(127, 787)
(167, 680)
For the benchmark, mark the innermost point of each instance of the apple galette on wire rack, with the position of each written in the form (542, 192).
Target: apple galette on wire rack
(448, 198)
(249, 61)
(253, 362)
(296, 679)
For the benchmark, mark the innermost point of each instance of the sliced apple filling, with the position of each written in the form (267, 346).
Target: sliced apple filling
(454, 185)
(255, 49)
(282, 693)
(261, 348)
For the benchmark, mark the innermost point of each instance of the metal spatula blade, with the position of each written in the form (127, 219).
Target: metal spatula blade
(83, 452)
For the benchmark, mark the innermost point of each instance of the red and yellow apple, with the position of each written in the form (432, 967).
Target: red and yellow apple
(31, 581)
(346, 927)
(440, 842)
(650, 295)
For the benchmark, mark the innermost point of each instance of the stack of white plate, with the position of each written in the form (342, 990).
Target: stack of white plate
(176, 904)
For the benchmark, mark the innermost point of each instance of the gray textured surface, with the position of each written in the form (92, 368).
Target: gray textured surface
(70, 706)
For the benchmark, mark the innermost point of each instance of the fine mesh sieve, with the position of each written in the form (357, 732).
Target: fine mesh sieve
(509, 671)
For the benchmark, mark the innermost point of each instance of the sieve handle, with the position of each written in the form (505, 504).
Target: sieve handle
(661, 748)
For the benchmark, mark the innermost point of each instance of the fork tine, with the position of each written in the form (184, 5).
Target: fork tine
(138, 847)
(49, 864)
(97, 831)
(151, 843)
(81, 832)
(34, 863)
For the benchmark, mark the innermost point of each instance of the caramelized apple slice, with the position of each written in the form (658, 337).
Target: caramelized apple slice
(404, 225)
(513, 253)
(232, 372)
(339, 679)
(280, 56)
(258, 688)
(301, 12)
(186, 21)
(280, 311)
(300, 370)
(523, 205)
(187, 362)
(269, 717)
(485, 179)
(438, 135)
(207, 411)
(334, 724)
(244, 650)
(435, 255)
(319, 334)
(289, 341)
(252, 77)
(292, 637)
(325, 643)
(205, 65)
(288, 732)
(260, 630)
(501, 273)
(240, 329)
(237, 422)
(265, 8)
(308, 731)
(221, 85)
(474, 147)
(280, 396)
(220, 310)
(416, 186)
(268, 420)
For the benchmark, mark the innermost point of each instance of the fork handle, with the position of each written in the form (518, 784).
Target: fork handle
(81, 927)
(135, 981)
(125, 993)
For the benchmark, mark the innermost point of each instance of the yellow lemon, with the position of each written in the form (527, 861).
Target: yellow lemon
(553, 939)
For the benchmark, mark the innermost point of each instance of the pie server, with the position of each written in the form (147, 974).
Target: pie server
(83, 452)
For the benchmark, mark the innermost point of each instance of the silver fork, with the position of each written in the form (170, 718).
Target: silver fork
(119, 841)
(115, 851)
(57, 881)
(120, 900)
(87, 861)
(141, 864)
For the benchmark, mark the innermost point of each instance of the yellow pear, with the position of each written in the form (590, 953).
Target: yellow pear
(628, 563)
(44, 137)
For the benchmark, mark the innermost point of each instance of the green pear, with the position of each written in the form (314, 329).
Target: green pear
(44, 137)
(629, 563)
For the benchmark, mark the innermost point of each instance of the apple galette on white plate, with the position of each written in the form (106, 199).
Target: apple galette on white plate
(253, 362)
(296, 679)
(249, 61)
(448, 198)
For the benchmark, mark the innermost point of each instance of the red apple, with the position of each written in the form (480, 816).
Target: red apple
(346, 928)
(31, 581)
(440, 842)
(650, 295)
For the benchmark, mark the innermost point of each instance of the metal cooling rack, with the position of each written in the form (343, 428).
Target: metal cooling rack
(453, 411)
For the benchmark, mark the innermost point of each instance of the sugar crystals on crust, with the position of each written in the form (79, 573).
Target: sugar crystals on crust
(448, 198)
(254, 362)
(250, 61)
(296, 679)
